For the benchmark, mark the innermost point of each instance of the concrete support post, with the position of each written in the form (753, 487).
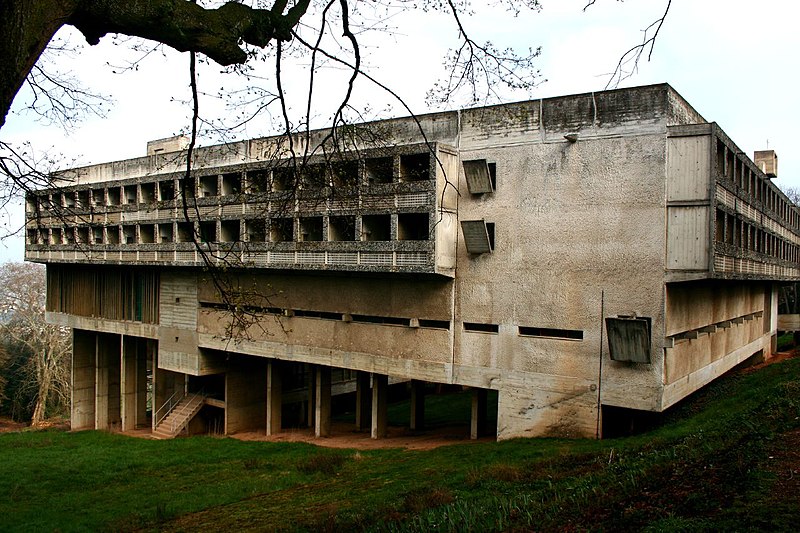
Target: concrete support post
(144, 352)
(312, 390)
(363, 397)
(128, 388)
(101, 384)
(478, 419)
(380, 386)
(322, 408)
(84, 357)
(274, 397)
(417, 418)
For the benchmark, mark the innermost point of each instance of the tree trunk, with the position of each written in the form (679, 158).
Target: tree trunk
(26, 27)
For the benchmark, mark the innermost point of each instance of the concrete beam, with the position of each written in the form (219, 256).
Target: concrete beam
(380, 388)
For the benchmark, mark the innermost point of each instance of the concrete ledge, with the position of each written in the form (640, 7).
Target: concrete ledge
(103, 325)
(674, 392)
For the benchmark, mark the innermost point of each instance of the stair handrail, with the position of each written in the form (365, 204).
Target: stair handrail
(169, 405)
(174, 428)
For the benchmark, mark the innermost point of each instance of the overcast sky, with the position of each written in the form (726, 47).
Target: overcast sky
(735, 61)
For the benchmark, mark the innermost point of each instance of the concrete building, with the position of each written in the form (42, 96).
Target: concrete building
(583, 257)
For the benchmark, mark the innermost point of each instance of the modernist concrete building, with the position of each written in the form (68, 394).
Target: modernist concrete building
(580, 256)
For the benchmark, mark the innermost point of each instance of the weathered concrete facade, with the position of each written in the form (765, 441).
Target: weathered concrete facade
(606, 249)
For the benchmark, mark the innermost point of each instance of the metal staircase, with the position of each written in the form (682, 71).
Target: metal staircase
(177, 415)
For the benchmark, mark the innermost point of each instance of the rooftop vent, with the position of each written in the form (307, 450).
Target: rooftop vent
(170, 144)
(767, 161)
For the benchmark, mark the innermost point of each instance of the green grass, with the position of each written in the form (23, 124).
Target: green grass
(707, 468)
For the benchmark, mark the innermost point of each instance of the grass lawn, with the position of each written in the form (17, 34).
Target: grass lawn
(718, 463)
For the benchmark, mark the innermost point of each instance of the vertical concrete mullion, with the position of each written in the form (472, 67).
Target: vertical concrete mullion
(380, 385)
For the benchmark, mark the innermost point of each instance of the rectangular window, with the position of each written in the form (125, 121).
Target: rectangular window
(434, 324)
(476, 327)
(551, 333)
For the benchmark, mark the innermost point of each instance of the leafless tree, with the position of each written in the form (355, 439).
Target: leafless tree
(46, 372)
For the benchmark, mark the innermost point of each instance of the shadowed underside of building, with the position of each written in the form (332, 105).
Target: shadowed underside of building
(578, 256)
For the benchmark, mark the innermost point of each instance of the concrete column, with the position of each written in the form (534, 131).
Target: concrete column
(478, 420)
(417, 405)
(312, 390)
(101, 384)
(380, 386)
(363, 397)
(322, 406)
(144, 353)
(84, 348)
(128, 385)
(274, 397)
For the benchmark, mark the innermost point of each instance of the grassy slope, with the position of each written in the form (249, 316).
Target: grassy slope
(707, 468)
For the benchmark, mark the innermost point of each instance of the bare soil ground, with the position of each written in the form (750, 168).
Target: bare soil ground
(344, 436)
(6, 425)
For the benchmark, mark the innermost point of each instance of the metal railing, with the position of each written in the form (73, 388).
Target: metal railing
(168, 406)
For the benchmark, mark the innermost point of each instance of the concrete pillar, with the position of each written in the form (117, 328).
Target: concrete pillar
(144, 353)
(101, 383)
(274, 397)
(311, 400)
(363, 397)
(478, 420)
(128, 385)
(380, 386)
(417, 418)
(84, 348)
(322, 405)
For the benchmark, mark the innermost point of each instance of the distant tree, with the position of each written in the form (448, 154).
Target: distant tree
(39, 353)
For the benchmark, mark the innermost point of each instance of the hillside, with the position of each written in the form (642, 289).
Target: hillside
(726, 459)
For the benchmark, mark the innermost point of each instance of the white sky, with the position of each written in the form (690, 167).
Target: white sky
(733, 60)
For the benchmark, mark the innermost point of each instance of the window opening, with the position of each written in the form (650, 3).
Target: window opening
(165, 232)
(434, 324)
(231, 183)
(376, 227)
(413, 227)
(229, 231)
(342, 228)
(282, 179)
(147, 233)
(113, 196)
(129, 193)
(166, 190)
(344, 174)
(256, 230)
(148, 192)
(129, 234)
(185, 232)
(379, 170)
(83, 199)
(280, 229)
(477, 327)
(310, 229)
(208, 186)
(258, 181)
(415, 167)
(551, 333)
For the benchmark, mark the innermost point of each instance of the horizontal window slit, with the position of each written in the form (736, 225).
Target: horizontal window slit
(552, 333)
(390, 320)
(481, 328)
(434, 324)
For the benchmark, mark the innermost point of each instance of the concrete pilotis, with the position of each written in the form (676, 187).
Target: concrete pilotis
(478, 418)
(363, 397)
(417, 418)
(380, 386)
(274, 390)
(83, 379)
(322, 405)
